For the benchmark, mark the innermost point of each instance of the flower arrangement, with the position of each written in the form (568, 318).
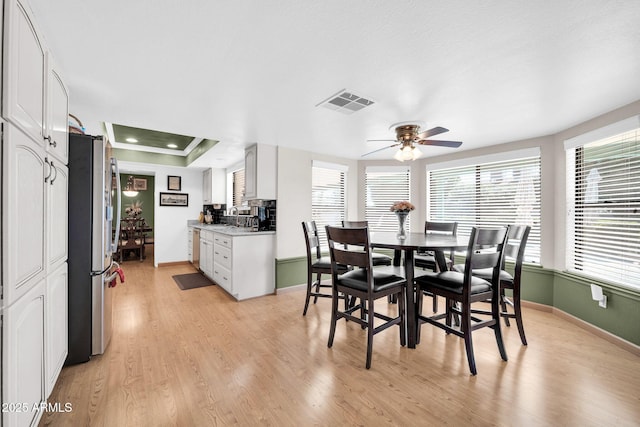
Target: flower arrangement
(134, 209)
(402, 206)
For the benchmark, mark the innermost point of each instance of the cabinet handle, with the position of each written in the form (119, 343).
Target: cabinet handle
(46, 178)
(53, 143)
(56, 175)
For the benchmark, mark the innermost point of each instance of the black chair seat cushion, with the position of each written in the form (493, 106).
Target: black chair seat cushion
(486, 273)
(424, 259)
(383, 278)
(380, 259)
(324, 262)
(452, 281)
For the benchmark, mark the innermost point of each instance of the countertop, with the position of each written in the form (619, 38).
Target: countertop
(228, 229)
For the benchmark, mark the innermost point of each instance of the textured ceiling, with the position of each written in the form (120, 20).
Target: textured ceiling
(246, 71)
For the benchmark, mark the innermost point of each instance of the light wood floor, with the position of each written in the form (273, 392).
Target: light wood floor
(199, 358)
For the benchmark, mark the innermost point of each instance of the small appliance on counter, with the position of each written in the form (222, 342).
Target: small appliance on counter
(213, 213)
(265, 210)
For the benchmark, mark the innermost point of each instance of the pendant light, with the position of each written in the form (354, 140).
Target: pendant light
(128, 190)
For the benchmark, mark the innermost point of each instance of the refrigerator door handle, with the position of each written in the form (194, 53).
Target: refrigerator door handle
(100, 273)
(114, 245)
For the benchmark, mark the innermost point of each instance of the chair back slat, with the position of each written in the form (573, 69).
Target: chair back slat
(485, 250)
(441, 227)
(349, 246)
(312, 240)
(354, 224)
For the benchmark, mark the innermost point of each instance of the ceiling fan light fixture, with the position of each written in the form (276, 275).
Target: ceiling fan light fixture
(407, 153)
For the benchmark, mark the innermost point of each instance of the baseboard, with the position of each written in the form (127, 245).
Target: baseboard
(171, 264)
(607, 336)
(291, 289)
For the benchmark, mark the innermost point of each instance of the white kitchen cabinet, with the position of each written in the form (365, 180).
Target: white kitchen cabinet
(260, 170)
(56, 332)
(190, 245)
(206, 187)
(57, 119)
(24, 71)
(23, 242)
(23, 359)
(57, 215)
(214, 182)
(206, 253)
(244, 265)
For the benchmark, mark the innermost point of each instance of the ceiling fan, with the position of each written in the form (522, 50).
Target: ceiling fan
(408, 135)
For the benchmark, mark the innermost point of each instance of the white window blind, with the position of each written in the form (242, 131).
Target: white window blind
(603, 187)
(328, 204)
(383, 187)
(489, 194)
(238, 188)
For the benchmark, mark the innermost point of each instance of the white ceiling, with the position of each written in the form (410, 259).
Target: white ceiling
(246, 71)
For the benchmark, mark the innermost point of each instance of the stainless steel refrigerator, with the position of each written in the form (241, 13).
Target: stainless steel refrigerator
(94, 199)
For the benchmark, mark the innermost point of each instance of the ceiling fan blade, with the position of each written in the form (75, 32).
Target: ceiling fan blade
(381, 140)
(431, 132)
(380, 149)
(451, 144)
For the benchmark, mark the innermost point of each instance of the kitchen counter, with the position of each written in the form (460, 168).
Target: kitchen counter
(229, 229)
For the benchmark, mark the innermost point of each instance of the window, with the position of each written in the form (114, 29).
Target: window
(489, 194)
(603, 189)
(328, 191)
(238, 188)
(383, 187)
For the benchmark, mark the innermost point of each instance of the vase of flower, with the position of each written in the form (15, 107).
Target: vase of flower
(402, 209)
(402, 216)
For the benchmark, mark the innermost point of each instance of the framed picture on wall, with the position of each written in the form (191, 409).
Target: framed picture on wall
(174, 199)
(139, 184)
(174, 183)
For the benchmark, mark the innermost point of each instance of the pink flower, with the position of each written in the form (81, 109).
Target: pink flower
(402, 206)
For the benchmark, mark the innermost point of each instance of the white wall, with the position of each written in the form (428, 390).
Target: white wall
(170, 222)
(294, 197)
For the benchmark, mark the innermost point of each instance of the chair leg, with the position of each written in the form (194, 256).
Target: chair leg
(503, 304)
(315, 299)
(497, 329)
(370, 309)
(306, 302)
(468, 343)
(434, 303)
(334, 317)
(402, 313)
(518, 313)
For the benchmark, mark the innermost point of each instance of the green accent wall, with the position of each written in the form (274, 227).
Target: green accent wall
(570, 293)
(146, 157)
(145, 196)
(204, 146)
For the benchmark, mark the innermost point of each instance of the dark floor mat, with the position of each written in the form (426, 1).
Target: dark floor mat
(191, 281)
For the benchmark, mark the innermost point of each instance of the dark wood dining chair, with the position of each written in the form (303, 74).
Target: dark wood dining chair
(316, 265)
(514, 251)
(427, 260)
(378, 258)
(352, 247)
(484, 251)
(131, 238)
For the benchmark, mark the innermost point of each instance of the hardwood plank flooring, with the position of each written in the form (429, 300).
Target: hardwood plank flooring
(199, 358)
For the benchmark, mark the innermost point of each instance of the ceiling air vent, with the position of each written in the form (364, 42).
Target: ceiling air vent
(346, 102)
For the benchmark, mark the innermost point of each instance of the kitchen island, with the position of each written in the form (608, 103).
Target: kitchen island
(240, 261)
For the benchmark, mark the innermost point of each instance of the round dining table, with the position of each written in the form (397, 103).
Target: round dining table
(437, 243)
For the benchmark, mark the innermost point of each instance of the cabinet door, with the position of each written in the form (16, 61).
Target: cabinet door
(57, 215)
(250, 172)
(57, 127)
(23, 206)
(23, 358)
(56, 331)
(25, 68)
(206, 187)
